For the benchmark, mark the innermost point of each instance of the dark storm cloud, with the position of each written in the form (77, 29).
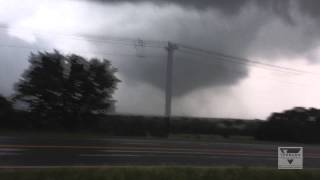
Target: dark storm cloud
(233, 7)
(283, 7)
(195, 71)
(234, 38)
(227, 6)
(189, 74)
(310, 7)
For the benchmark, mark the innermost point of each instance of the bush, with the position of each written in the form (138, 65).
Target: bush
(296, 125)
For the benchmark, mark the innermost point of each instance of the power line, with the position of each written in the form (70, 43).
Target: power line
(243, 60)
(162, 44)
(99, 39)
(236, 72)
(80, 51)
(130, 55)
(226, 60)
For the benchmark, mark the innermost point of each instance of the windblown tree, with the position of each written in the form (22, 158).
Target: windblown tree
(89, 88)
(62, 90)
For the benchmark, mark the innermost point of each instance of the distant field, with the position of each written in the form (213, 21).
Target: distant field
(158, 173)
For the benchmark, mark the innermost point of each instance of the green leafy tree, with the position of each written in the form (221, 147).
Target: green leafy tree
(63, 90)
(41, 87)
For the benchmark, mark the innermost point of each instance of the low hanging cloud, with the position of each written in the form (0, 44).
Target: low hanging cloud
(210, 30)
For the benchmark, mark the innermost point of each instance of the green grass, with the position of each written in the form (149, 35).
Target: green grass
(159, 173)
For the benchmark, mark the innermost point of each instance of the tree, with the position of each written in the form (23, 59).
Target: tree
(297, 125)
(41, 88)
(61, 90)
(90, 86)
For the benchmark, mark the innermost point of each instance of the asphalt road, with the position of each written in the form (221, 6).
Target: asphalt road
(38, 151)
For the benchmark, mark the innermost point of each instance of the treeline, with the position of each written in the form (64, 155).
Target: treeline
(127, 125)
(214, 126)
(131, 125)
(296, 125)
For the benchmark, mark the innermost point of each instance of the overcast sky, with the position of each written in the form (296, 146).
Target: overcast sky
(280, 32)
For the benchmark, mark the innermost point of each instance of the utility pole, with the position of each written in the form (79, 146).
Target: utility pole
(170, 48)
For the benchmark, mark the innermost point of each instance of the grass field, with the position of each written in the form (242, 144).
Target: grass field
(159, 173)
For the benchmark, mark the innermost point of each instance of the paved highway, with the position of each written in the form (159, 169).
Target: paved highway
(37, 151)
